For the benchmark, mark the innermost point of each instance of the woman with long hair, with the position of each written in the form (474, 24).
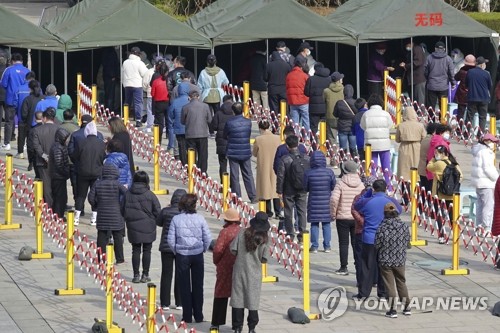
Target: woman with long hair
(120, 133)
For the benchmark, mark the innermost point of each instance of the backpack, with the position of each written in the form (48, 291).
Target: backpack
(300, 164)
(450, 182)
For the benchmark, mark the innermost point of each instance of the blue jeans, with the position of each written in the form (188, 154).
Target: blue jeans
(327, 234)
(300, 115)
(133, 96)
(347, 140)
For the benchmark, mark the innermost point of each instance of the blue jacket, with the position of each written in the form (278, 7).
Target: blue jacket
(49, 101)
(371, 206)
(22, 92)
(175, 109)
(282, 151)
(319, 181)
(13, 77)
(189, 234)
(237, 133)
(120, 161)
(357, 130)
(478, 83)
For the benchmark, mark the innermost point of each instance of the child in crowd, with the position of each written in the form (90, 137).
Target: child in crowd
(116, 157)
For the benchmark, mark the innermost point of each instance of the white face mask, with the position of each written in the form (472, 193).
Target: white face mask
(381, 52)
(491, 145)
(408, 48)
(446, 136)
(437, 157)
(308, 52)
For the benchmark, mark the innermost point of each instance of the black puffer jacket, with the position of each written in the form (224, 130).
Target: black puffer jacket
(58, 156)
(314, 90)
(276, 72)
(166, 216)
(343, 111)
(140, 210)
(90, 157)
(219, 122)
(104, 197)
(258, 64)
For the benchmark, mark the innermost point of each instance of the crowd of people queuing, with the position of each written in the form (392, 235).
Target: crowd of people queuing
(299, 188)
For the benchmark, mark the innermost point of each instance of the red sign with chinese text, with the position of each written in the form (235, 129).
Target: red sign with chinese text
(428, 19)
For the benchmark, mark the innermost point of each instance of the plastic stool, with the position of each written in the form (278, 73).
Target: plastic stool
(466, 193)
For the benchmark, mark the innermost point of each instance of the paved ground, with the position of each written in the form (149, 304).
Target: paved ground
(28, 304)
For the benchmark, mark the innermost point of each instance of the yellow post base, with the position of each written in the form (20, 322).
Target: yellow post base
(45, 255)
(67, 292)
(420, 242)
(160, 192)
(10, 226)
(314, 316)
(460, 271)
(115, 329)
(270, 279)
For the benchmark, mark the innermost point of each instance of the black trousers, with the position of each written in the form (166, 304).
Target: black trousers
(167, 271)
(376, 88)
(72, 179)
(214, 107)
(434, 97)
(222, 165)
(109, 93)
(160, 109)
(60, 199)
(481, 108)
(146, 257)
(219, 311)
(358, 249)
(369, 269)
(47, 187)
(200, 145)
(83, 186)
(274, 101)
(314, 120)
(10, 112)
(22, 135)
(103, 238)
(276, 206)
(190, 272)
(181, 144)
(237, 318)
(345, 231)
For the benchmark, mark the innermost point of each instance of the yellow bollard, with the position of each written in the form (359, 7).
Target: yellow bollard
(386, 74)
(94, 100)
(455, 256)
(414, 219)
(151, 322)
(493, 130)
(110, 325)
(322, 136)
(246, 98)
(443, 112)
(8, 225)
(225, 191)
(368, 159)
(156, 161)
(39, 254)
(191, 161)
(398, 100)
(306, 276)
(78, 101)
(70, 265)
(125, 114)
(282, 120)
(265, 278)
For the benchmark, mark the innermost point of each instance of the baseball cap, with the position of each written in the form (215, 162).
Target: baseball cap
(336, 76)
(86, 118)
(439, 45)
(305, 45)
(481, 60)
(211, 57)
(135, 50)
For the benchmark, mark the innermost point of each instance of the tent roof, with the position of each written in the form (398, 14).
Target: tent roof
(18, 32)
(282, 19)
(97, 23)
(372, 20)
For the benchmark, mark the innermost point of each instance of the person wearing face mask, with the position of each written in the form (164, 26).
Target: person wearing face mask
(442, 157)
(441, 137)
(478, 81)
(414, 67)
(305, 56)
(438, 72)
(376, 68)
(483, 177)
(458, 60)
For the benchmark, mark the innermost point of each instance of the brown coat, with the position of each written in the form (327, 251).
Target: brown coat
(264, 149)
(224, 260)
(409, 134)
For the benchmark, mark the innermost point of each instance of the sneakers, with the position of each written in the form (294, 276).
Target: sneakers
(313, 250)
(391, 314)
(30, 167)
(328, 250)
(145, 278)
(165, 307)
(358, 297)
(342, 271)
(138, 124)
(147, 130)
(76, 221)
(93, 219)
(178, 307)
(5, 147)
(136, 278)
(441, 240)
(20, 156)
(407, 311)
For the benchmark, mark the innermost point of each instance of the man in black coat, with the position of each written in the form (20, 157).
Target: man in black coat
(257, 82)
(314, 90)
(276, 72)
(218, 123)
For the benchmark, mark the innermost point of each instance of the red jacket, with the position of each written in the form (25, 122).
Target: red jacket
(495, 228)
(295, 84)
(224, 260)
(159, 91)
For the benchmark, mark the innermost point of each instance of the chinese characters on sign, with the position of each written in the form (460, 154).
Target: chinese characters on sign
(428, 19)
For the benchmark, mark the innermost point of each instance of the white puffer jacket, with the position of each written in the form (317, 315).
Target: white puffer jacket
(133, 70)
(377, 124)
(484, 173)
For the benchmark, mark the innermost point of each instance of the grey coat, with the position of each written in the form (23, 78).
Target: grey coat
(197, 118)
(247, 273)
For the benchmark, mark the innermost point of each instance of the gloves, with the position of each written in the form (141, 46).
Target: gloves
(45, 157)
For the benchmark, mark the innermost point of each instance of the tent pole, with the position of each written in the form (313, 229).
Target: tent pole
(120, 82)
(411, 69)
(336, 57)
(196, 62)
(358, 85)
(157, 49)
(92, 65)
(231, 62)
(65, 71)
(39, 66)
(178, 50)
(267, 50)
(52, 67)
(317, 53)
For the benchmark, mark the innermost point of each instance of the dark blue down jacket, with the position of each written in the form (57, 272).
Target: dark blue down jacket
(237, 133)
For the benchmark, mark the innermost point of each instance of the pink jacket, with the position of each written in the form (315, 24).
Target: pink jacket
(346, 189)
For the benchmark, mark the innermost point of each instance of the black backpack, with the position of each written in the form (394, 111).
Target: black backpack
(450, 182)
(300, 164)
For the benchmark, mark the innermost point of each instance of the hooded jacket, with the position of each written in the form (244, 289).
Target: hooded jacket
(436, 140)
(345, 110)
(295, 84)
(409, 134)
(120, 161)
(391, 241)
(133, 70)
(314, 90)
(377, 123)
(333, 94)
(58, 157)
(219, 122)
(319, 181)
(90, 156)
(348, 187)
(205, 81)
(175, 109)
(165, 218)
(357, 130)
(64, 103)
(13, 77)
(438, 71)
(484, 174)
(140, 210)
(104, 197)
(237, 132)
(276, 72)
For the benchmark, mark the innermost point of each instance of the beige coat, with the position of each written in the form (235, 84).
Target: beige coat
(264, 149)
(409, 134)
(349, 186)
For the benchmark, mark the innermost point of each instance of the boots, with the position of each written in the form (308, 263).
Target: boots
(77, 217)
(93, 219)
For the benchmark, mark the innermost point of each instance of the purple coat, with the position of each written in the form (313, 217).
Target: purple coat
(376, 67)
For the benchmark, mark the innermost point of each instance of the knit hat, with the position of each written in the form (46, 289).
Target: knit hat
(231, 215)
(260, 222)
(349, 167)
